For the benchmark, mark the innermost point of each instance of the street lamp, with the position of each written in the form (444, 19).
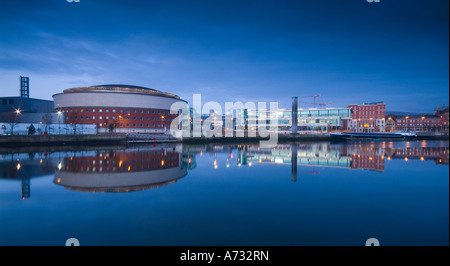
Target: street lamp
(59, 122)
(423, 119)
(162, 118)
(407, 117)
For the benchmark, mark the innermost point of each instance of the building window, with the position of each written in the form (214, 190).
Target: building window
(93, 110)
(100, 110)
(107, 110)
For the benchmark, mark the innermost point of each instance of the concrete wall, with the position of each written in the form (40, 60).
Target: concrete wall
(112, 99)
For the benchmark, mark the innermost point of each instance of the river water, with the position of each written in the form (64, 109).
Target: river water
(320, 194)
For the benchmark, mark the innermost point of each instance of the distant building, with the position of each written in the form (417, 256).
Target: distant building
(369, 117)
(24, 87)
(25, 109)
(439, 121)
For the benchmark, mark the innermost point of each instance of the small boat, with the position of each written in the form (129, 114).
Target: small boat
(374, 136)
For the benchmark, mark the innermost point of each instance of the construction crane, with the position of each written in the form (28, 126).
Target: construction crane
(321, 105)
(311, 96)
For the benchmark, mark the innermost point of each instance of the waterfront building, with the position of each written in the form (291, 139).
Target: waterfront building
(439, 121)
(23, 109)
(368, 117)
(118, 108)
(312, 119)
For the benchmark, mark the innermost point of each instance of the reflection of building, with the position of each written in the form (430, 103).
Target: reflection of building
(119, 108)
(316, 154)
(24, 167)
(438, 155)
(122, 171)
(368, 156)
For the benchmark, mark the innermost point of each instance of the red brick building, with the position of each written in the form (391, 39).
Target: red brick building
(369, 117)
(437, 122)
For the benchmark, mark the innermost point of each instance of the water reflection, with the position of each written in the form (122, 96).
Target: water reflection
(25, 166)
(355, 155)
(145, 167)
(129, 170)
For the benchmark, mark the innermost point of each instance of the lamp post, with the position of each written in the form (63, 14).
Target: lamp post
(59, 122)
(407, 123)
(423, 120)
(161, 123)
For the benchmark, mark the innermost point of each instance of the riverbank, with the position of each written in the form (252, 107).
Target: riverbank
(61, 140)
(16, 141)
(281, 138)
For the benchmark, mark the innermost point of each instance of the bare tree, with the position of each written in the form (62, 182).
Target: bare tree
(12, 118)
(47, 118)
(73, 120)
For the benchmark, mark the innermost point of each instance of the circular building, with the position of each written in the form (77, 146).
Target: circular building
(117, 108)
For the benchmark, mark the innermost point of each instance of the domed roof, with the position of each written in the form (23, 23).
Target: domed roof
(115, 88)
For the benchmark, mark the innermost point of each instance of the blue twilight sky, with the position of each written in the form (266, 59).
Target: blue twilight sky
(348, 51)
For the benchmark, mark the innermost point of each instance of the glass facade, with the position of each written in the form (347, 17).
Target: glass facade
(310, 119)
